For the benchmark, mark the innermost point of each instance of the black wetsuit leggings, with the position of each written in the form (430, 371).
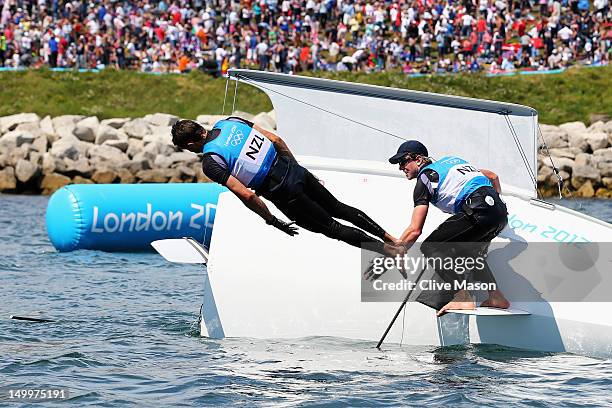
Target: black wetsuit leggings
(303, 199)
(467, 234)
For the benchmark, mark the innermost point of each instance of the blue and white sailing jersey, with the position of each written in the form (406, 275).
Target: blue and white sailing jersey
(248, 153)
(457, 179)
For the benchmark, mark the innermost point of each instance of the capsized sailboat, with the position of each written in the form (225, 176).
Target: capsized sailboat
(266, 285)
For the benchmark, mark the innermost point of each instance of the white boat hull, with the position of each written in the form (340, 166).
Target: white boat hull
(268, 285)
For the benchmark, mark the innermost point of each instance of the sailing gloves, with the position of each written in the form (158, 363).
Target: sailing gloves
(286, 227)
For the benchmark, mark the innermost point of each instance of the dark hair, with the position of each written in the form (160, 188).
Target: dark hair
(186, 131)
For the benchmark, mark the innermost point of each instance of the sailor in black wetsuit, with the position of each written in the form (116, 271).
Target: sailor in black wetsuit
(471, 195)
(244, 157)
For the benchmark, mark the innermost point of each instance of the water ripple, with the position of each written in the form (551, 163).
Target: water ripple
(125, 335)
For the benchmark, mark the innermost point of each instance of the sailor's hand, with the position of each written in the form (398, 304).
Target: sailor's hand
(287, 227)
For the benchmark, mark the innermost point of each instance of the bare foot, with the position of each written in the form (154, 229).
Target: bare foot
(462, 301)
(496, 299)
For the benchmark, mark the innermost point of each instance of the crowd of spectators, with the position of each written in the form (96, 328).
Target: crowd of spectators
(425, 36)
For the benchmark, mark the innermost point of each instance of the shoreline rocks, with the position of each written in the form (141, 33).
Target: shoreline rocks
(583, 156)
(40, 155)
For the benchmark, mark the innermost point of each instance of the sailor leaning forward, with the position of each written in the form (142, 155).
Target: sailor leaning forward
(251, 161)
(471, 195)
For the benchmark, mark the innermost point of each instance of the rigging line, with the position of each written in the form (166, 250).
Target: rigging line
(323, 110)
(235, 93)
(556, 171)
(403, 325)
(521, 152)
(225, 95)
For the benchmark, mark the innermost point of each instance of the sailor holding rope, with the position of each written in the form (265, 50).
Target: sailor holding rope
(251, 161)
(471, 195)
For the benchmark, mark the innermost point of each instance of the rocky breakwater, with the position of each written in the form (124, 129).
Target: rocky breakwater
(583, 156)
(42, 155)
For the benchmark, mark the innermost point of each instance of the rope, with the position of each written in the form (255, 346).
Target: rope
(555, 170)
(235, 93)
(534, 179)
(225, 95)
(323, 110)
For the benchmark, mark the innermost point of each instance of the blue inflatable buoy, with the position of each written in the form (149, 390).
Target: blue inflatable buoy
(128, 217)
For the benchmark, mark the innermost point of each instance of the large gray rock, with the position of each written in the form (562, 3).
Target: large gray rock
(265, 121)
(69, 147)
(569, 152)
(117, 144)
(107, 154)
(272, 115)
(46, 125)
(106, 132)
(584, 159)
(186, 172)
(19, 153)
(116, 123)
(135, 165)
(35, 157)
(596, 140)
(244, 115)
(554, 136)
(66, 120)
(597, 127)
(183, 157)
(605, 169)
(573, 127)
(52, 164)
(86, 129)
(40, 144)
(208, 121)
(563, 163)
(7, 179)
(603, 155)
(137, 128)
(159, 134)
(582, 174)
(544, 173)
(26, 171)
(8, 123)
(63, 132)
(162, 162)
(577, 140)
(135, 146)
(31, 127)
(607, 127)
(80, 167)
(16, 138)
(161, 119)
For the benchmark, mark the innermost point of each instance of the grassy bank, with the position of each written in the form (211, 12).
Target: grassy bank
(572, 95)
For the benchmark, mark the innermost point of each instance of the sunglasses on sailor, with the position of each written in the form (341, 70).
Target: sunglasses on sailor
(405, 160)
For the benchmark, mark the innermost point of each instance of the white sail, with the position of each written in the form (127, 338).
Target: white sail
(335, 119)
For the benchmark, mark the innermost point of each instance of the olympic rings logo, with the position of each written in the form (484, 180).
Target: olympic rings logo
(237, 138)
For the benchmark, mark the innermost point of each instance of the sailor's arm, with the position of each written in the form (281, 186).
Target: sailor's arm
(279, 143)
(414, 230)
(494, 179)
(255, 204)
